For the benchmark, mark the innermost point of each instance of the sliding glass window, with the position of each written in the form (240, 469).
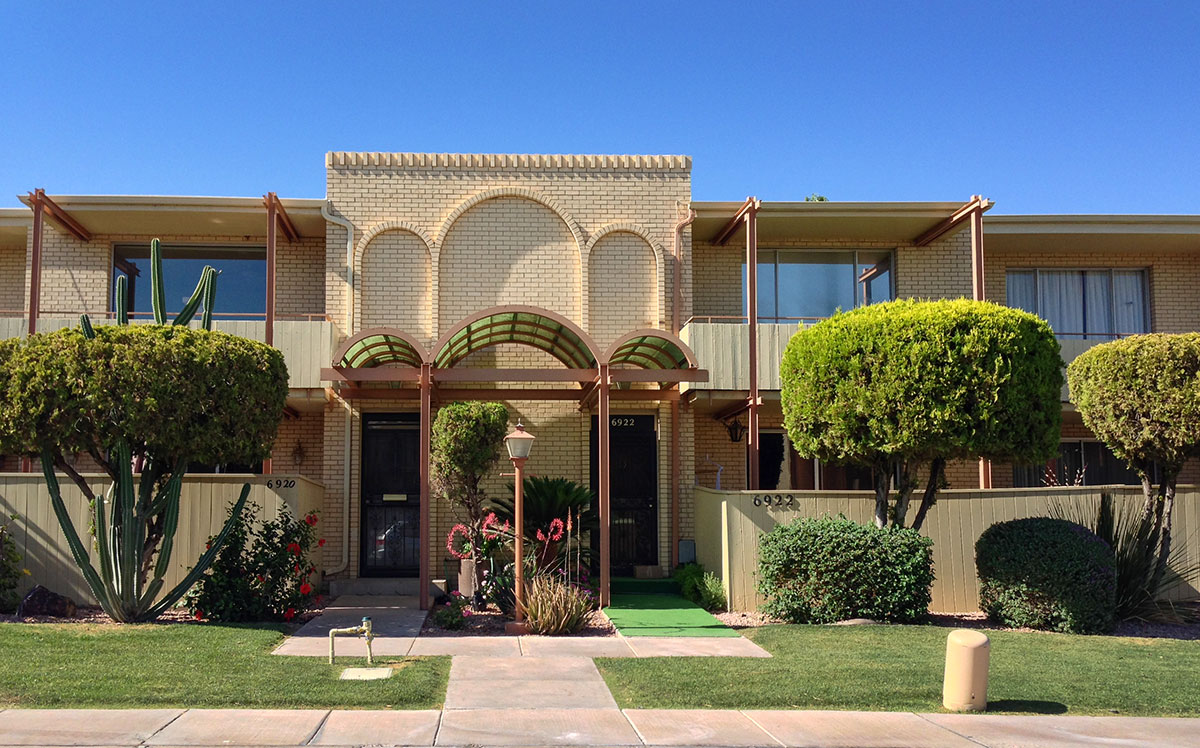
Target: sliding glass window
(1100, 304)
(810, 284)
(241, 279)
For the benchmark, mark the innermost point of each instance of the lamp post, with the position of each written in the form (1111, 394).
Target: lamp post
(519, 443)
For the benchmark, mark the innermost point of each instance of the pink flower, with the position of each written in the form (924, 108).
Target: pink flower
(466, 612)
(556, 529)
(460, 549)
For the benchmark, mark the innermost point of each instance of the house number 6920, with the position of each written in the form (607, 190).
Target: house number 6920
(281, 483)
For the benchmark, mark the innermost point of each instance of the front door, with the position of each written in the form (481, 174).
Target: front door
(391, 495)
(633, 490)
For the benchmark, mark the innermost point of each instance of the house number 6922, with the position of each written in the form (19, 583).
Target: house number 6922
(616, 422)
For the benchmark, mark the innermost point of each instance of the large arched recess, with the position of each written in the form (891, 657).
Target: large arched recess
(508, 245)
(393, 279)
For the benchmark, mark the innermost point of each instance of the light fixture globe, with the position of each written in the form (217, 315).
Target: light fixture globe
(519, 443)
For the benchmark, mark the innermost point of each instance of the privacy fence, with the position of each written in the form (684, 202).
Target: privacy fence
(730, 523)
(203, 508)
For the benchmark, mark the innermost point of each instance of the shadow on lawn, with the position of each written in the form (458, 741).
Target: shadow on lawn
(1028, 706)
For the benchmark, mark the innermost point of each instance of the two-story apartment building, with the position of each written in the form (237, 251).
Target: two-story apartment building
(580, 291)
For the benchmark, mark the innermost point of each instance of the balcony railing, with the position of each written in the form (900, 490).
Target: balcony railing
(306, 340)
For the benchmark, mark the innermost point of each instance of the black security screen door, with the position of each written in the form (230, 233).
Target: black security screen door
(391, 495)
(633, 495)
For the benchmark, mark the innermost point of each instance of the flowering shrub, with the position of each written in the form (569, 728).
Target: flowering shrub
(11, 570)
(261, 573)
(453, 614)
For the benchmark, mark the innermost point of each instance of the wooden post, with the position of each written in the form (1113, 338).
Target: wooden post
(423, 575)
(979, 293)
(752, 435)
(602, 432)
(272, 223)
(35, 265)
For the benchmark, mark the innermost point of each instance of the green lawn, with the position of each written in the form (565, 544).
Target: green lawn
(900, 668)
(80, 665)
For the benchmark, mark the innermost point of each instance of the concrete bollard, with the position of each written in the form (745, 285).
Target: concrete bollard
(964, 687)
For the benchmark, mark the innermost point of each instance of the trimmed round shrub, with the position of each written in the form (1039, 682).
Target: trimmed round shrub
(1046, 573)
(829, 569)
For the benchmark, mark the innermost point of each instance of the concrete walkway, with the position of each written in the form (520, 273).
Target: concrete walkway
(397, 625)
(577, 726)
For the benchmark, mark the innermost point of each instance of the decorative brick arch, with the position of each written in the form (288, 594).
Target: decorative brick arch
(522, 193)
(360, 249)
(655, 247)
(519, 192)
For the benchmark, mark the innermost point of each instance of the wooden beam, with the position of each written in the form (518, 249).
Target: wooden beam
(659, 375)
(515, 375)
(726, 233)
(968, 209)
(281, 215)
(374, 374)
(61, 216)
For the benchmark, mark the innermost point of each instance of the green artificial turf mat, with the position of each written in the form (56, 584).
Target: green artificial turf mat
(663, 615)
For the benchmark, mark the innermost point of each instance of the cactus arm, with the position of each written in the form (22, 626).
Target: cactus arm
(205, 561)
(170, 522)
(122, 300)
(85, 324)
(210, 299)
(189, 309)
(100, 521)
(130, 543)
(158, 299)
(77, 550)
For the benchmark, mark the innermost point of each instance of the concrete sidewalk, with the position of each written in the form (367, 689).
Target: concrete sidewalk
(577, 726)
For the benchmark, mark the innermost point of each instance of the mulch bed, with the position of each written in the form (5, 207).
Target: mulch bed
(491, 622)
(93, 614)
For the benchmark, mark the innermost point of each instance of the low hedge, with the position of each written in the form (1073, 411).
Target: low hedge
(1046, 573)
(829, 569)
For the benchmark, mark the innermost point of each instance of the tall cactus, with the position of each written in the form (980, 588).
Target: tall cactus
(128, 525)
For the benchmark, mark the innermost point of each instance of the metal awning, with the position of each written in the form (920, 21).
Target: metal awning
(651, 349)
(380, 346)
(530, 326)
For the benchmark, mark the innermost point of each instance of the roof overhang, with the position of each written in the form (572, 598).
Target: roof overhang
(846, 221)
(175, 215)
(1093, 233)
(14, 227)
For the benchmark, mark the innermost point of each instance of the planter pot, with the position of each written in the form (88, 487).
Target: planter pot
(470, 576)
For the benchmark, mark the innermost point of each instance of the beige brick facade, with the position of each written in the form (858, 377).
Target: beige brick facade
(435, 238)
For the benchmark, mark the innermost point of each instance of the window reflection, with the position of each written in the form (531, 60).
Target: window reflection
(241, 283)
(810, 284)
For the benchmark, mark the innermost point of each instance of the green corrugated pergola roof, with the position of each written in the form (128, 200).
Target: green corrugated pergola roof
(650, 352)
(379, 349)
(525, 327)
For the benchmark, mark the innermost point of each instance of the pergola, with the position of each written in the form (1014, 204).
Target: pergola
(593, 378)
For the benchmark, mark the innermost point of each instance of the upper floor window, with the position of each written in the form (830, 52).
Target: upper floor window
(241, 280)
(807, 284)
(1079, 463)
(1090, 304)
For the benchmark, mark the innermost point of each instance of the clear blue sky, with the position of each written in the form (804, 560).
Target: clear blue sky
(1090, 107)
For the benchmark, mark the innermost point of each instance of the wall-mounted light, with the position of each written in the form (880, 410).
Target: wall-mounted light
(736, 429)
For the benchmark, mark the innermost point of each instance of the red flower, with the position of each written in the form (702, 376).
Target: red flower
(260, 578)
(289, 614)
(556, 529)
(461, 549)
(321, 543)
(297, 568)
(305, 588)
(311, 519)
(208, 546)
(294, 548)
(199, 614)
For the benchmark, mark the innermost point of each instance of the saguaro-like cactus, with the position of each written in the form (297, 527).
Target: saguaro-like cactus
(134, 523)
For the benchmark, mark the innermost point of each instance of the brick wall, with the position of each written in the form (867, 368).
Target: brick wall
(624, 287)
(300, 445)
(397, 285)
(12, 280)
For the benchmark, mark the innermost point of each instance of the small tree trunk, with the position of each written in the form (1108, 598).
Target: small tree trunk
(883, 487)
(1164, 535)
(1147, 495)
(931, 487)
(904, 491)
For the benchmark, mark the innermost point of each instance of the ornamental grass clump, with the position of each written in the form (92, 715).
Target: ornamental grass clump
(1046, 573)
(830, 569)
(554, 607)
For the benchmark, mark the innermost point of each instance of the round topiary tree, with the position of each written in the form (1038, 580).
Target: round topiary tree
(1046, 573)
(1141, 397)
(829, 569)
(904, 386)
(143, 402)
